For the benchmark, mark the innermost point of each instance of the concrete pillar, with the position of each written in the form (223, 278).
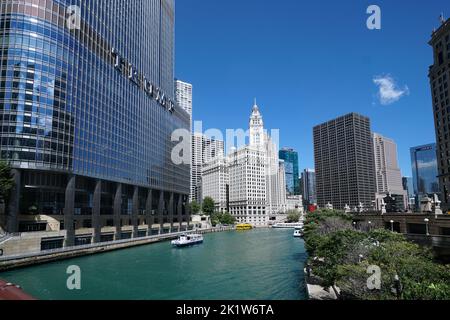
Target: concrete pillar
(12, 214)
(69, 211)
(135, 213)
(118, 211)
(403, 226)
(148, 211)
(188, 212)
(96, 219)
(180, 210)
(161, 209)
(171, 210)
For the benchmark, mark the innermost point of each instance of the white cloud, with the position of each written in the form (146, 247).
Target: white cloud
(389, 92)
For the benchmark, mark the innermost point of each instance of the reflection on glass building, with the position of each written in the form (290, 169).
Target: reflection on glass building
(86, 114)
(290, 158)
(309, 187)
(425, 173)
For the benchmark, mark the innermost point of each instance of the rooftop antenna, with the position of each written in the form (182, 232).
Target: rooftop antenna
(255, 102)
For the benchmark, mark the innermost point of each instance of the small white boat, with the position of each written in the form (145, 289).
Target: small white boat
(298, 233)
(187, 240)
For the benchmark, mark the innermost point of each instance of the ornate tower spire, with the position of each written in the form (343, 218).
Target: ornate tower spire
(256, 127)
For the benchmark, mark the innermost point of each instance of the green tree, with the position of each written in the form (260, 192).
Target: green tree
(208, 206)
(227, 218)
(333, 250)
(215, 219)
(195, 207)
(222, 218)
(340, 256)
(293, 216)
(419, 276)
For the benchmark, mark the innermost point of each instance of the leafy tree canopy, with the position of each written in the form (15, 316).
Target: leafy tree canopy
(208, 206)
(341, 256)
(195, 207)
(293, 216)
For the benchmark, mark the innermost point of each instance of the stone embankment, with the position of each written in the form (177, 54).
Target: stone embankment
(19, 261)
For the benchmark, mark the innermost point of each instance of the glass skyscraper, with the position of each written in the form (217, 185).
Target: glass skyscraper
(86, 113)
(425, 172)
(290, 158)
(309, 187)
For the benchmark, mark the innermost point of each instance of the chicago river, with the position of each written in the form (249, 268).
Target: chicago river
(262, 264)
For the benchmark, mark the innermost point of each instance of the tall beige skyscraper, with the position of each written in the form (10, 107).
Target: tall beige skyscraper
(387, 171)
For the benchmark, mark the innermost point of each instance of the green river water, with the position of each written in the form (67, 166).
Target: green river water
(263, 264)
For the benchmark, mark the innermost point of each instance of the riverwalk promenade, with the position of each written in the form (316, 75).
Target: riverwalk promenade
(25, 260)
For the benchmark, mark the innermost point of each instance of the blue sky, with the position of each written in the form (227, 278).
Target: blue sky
(308, 62)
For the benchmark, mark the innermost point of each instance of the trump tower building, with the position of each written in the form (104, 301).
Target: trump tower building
(86, 114)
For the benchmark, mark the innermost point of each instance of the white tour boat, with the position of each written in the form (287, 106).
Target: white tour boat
(187, 240)
(288, 225)
(298, 233)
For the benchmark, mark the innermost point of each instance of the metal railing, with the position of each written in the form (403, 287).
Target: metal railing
(159, 237)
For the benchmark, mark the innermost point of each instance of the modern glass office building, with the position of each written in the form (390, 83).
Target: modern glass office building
(86, 114)
(309, 186)
(290, 158)
(425, 170)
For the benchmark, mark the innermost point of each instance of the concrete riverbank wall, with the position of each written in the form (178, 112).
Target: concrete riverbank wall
(25, 260)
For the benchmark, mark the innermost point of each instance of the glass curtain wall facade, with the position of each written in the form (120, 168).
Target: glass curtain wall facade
(87, 114)
(309, 187)
(425, 171)
(291, 167)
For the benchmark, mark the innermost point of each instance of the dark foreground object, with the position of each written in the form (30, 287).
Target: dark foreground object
(9, 291)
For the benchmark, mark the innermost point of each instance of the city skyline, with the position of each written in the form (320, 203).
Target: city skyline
(122, 178)
(376, 58)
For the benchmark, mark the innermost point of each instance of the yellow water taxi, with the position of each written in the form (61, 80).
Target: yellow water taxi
(244, 226)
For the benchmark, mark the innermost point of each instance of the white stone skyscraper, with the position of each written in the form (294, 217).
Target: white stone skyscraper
(183, 96)
(257, 134)
(257, 186)
(387, 172)
(215, 182)
(204, 150)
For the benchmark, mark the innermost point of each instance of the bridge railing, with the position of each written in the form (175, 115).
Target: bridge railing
(435, 240)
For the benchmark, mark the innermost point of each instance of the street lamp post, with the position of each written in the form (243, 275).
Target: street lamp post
(370, 225)
(392, 225)
(427, 221)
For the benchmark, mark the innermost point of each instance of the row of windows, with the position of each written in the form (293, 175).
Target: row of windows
(113, 132)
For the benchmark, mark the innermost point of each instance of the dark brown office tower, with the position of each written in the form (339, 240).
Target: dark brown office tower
(439, 79)
(345, 170)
